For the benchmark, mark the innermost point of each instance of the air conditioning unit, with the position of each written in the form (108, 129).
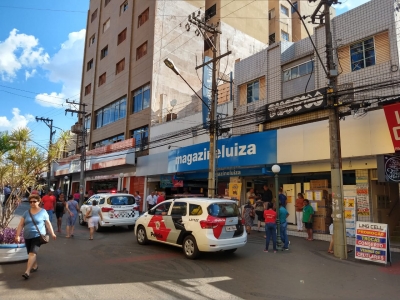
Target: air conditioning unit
(77, 128)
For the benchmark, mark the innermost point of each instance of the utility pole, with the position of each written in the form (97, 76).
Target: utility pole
(339, 225)
(80, 130)
(49, 123)
(210, 34)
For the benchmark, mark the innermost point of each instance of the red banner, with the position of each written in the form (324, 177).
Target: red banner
(392, 113)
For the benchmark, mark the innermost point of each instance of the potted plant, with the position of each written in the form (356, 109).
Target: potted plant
(20, 167)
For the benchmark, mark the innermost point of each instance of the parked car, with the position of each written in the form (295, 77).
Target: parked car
(117, 210)
(195, 224)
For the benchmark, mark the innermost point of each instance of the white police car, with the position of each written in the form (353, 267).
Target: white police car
(195, 224)
(117, 209)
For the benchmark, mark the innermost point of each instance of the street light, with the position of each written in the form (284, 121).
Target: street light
(66, 178)
(276, 169)
(121, 177)
(213, 147)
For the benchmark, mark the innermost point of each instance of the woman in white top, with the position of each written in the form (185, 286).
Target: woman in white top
(93, 215)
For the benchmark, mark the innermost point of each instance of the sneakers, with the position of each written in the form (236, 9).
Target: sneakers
(265, 250)
(286, 249)
(289, 242)
(274, 251)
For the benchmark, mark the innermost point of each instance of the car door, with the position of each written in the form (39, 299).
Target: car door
(175, 221)
(156, 227)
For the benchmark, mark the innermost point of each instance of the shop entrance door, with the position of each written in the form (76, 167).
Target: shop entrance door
(290, 190)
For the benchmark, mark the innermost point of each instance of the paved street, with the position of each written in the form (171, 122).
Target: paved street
(114, 266)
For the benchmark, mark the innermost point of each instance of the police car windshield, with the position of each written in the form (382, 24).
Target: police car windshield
(121, 200)
(223, 210)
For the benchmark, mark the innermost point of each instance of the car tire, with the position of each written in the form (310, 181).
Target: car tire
(190, 247)
(81, 221)
(131, 227)
(141, 236)
(230, 250)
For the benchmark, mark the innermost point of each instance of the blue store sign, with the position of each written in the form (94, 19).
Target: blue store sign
(246, 150)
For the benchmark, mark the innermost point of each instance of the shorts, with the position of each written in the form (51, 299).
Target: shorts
(260, 215)
(93, 222)
(59, 213)
(32, 245)
(308, 225)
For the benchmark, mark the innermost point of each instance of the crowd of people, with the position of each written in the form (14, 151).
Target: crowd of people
(262, 206)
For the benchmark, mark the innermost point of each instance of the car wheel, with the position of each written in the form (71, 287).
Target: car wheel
(99, 228)
(141, 236)
(190, 247)
(81, 221)
(131, 227)
(231, 250)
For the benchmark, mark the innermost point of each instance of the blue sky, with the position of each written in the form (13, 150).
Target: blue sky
(41, 52)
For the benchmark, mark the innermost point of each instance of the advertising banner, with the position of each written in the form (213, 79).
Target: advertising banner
(372, 242)
(234, 190)
(239, 151)
(388, 168)
(392, 113)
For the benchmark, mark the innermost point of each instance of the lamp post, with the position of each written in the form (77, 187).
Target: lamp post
(121, 178)
(276, 169)
(66, 178)
(213, 147)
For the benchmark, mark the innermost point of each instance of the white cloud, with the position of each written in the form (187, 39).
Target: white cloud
(20, 51)
(30, 74)
(17, 121)
(65, 67)
(350, 4)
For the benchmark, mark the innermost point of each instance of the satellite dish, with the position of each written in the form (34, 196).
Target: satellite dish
(173, 102)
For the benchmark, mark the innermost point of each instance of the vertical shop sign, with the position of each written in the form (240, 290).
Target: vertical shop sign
(206, 91)
(234, 190)
(362, 191)
(350, 215)
(392, 113)
(372, 242)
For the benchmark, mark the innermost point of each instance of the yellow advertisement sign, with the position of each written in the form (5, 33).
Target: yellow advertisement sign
(234, 190)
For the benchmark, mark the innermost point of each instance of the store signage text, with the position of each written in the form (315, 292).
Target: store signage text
(392, 113)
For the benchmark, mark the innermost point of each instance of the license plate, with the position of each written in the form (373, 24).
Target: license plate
(230, 228)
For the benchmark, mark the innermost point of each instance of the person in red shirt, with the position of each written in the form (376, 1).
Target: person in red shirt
(49, 203)
(160, 197)
(270, 226)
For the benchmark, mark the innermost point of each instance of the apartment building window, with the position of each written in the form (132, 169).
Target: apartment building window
(362, 54)
(120, 66)
(109, 141)
(141, 51)
(271, 14)
(298, 71)
(89, 65)
(141, 136)
(253, 91)
(121, 36)
(272, 38)
(102, 79)
(285, 10)
(106, 25)
(123, 8)
(88, 120)
(141, 98)
(144, 16)
(88, 89)
(92, 39)
(93, 17)
(284, 35)
(294, 7)
(111, 113)
(104, 52)
(106, 2)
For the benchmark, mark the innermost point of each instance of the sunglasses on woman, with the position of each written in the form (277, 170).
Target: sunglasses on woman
(32, 202)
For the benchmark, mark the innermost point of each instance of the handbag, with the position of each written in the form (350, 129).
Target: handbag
(252, 214)
(44, 238)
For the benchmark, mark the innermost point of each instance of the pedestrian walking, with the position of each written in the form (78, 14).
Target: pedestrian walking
(248, 216)
(282, 197)
(151, 200)
(160, 197)
(251, 196)
(49, 203)
(259, 210)
(93, 215)
(283, 214)
(77, 196)
(72, 207)
(34, 223)
(60, 209)
(137, 199)
(270, 226)
(299, 211)
(308, 212)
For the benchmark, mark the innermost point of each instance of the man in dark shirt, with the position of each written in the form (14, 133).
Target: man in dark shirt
(266, 196)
